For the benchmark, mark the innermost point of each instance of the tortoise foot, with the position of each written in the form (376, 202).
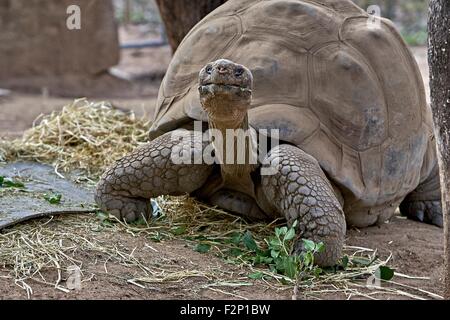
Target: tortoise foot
(424, 211)
(127, 209)
(300, 191)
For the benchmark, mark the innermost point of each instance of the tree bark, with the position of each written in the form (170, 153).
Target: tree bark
(179, 16)
(439, 61)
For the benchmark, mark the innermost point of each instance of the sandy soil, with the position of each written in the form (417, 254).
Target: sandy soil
(416, 248)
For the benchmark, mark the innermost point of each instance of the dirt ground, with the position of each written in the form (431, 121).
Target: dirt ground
(416, 251)
(416, 248)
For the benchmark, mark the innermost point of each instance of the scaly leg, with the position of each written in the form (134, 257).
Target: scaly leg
(300, 191)
(125, 188)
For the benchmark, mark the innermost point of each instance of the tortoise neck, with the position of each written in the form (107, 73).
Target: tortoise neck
(236, 153)
(231, 139)
(223, 126)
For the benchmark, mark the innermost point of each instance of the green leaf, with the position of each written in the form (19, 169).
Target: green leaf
(277, 232)
(104, 219)
(265, 253)
(140, 222)
(106, 223)
(235, 252)
(268, 261)
(289, 235)
(8, 183)
(273, 268)
(274, 253)
(308, 258)
(320, 247)
(283, 230)
(236, 238)
(54, 198)
(202, 247)
(249, 243)
(179, 230)
(290, 267)
(317, 272)
(262, 260)
(384, 273)
(101, 215)
(274, 243)
(344, 262)
(280, 265)
(309, 245)
(13, 184)
(256, 275)
(361, 261)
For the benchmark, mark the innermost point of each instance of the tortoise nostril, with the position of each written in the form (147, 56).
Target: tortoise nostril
(222, 70)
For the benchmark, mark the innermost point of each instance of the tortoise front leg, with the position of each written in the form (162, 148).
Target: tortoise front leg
(125, 188)
(300, 191)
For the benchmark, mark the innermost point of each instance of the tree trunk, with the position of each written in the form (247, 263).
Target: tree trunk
(439, 61)
(179, 16)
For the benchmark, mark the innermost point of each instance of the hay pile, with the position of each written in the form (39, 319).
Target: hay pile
(84, 135)
(89, 136)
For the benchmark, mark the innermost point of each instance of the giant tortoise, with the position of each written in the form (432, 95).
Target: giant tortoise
(336, 87)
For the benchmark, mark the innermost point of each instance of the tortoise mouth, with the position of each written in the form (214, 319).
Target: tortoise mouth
(214, 88)
(225, 102)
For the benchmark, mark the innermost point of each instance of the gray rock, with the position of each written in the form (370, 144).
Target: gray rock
(18, 205)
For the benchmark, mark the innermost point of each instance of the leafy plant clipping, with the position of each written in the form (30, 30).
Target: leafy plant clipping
(281, 257)
(8, 183)
(53, 198)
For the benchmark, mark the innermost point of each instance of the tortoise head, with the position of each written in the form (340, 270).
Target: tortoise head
(225, 90)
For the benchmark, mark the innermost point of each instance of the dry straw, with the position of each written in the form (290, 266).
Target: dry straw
(83, 135)
(89, 136)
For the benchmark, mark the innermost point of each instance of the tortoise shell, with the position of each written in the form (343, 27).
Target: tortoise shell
(337, 82)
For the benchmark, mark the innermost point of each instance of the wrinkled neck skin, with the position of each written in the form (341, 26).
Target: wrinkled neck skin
(232, 114)
(226, 110)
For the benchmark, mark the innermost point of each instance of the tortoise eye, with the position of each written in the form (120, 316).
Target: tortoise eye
(208, 69)
(238, 72)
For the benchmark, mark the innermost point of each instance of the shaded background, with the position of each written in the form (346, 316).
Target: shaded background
(120, 54)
